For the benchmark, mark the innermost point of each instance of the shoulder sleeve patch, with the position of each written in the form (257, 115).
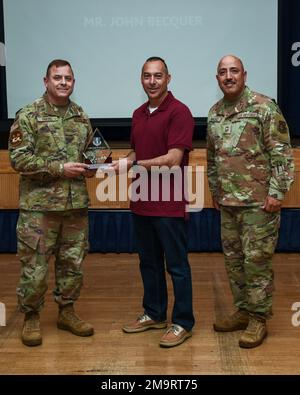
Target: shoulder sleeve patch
(282, 127)
(16, 138)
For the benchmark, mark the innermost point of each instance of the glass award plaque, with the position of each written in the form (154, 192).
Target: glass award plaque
(97, 153)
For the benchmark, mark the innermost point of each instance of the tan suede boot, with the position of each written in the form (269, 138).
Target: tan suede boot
(235, 322)
(255, 333)
(69, 321)
(31, 333)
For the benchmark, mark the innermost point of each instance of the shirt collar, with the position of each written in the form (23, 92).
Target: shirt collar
(229, 108)
(50, 108)
(163, 105)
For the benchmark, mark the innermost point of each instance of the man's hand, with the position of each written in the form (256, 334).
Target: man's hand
(74, 169)
(121, 165)
(272, 205)
(89, 173)
(216, 204)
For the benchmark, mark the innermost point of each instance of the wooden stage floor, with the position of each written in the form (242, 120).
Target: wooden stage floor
(112, 295)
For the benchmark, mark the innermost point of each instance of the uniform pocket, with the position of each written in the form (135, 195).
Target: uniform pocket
(26, 233)
(50, 138)
(269, 227)
(216, 133)
(237, 128)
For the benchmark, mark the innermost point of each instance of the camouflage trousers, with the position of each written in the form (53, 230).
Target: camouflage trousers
(249, 236)
(41, 234)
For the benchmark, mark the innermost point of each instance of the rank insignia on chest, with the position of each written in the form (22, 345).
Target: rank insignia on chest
(227, 129)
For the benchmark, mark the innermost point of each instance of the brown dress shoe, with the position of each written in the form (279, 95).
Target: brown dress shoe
(143, 323)
(174, 336)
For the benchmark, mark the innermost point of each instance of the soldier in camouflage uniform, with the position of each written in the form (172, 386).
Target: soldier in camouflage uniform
(249, 167)
(46, 144)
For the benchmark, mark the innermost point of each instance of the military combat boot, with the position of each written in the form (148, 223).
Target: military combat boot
(31, 333)
(235, 322)
(255, 333)
(69, 321)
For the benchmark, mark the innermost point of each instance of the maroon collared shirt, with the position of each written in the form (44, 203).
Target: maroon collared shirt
(171, 125)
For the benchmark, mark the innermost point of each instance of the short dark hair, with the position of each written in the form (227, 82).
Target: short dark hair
(58, 63)
(155, 58)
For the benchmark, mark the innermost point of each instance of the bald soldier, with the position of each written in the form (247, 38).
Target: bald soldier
(46, 144)
(250, 168)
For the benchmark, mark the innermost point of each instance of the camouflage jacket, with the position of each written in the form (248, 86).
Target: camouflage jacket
(248, 151)
(40, 142)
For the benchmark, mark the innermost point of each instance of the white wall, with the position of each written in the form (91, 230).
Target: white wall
(107, 41)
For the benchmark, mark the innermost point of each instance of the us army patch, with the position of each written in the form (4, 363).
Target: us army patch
(46, 119)
(216, 119)
(248, 114)
(16, 138)
(282, 128)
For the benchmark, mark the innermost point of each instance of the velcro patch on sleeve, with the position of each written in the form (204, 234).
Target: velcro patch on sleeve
(16, 138)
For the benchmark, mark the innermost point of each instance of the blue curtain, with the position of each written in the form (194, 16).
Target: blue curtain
(112, 231)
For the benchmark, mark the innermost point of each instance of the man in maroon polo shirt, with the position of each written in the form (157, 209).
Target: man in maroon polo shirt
(162, 131)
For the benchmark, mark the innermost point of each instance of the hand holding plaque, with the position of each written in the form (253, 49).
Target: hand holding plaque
(97, 153)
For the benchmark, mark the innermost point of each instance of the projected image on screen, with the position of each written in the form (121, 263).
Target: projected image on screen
(108, 41)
